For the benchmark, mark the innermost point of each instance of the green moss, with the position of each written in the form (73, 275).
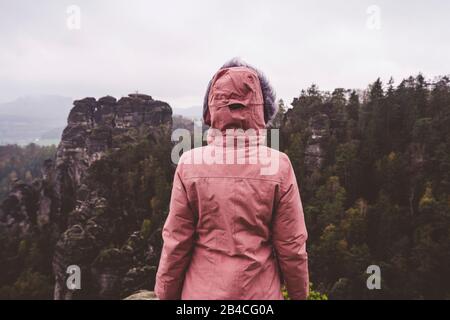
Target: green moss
(313, 295)
(30, 285)
(146, 228)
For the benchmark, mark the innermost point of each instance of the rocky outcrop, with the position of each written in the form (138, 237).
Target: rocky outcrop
(307, 128)
(143, 295)
(319, 126)
(19, 210)
(94, 127)
(115, 258)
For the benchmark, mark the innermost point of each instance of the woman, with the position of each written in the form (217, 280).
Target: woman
(234, 231)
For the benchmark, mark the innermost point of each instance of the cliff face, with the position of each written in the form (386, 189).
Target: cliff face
(115, 245)
(307, 127)
(319, 125)
(95, 127)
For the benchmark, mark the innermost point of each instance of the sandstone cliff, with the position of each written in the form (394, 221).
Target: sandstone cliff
(76, 204)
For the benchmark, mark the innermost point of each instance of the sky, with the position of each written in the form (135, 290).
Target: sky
(171, 49)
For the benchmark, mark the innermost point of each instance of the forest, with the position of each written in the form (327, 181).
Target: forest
(381, 194)
(374, 173)
(21, 163)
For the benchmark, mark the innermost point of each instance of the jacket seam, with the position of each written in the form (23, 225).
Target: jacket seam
(233, 177)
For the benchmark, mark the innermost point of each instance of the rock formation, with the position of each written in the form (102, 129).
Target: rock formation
(319, 125)
(142, 295)
(116, 258)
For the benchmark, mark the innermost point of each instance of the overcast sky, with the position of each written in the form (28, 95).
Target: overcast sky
(170, 49)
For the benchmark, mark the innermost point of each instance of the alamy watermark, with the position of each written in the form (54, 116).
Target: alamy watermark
(232, 146)
(374, 280)
(73, 281)
(373, 21)
(73, 21)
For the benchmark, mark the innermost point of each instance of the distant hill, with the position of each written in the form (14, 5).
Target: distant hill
(34, 118)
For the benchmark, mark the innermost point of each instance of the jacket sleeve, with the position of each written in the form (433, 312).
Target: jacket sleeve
(289, 238)
(178, 232)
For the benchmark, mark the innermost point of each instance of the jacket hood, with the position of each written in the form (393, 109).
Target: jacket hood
(235, 100)
(239, 96)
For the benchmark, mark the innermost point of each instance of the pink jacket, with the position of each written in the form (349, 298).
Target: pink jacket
(233, 232)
